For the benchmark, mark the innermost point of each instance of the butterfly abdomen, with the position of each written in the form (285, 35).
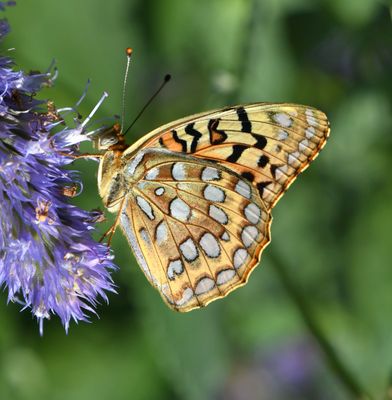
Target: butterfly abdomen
(111, 180)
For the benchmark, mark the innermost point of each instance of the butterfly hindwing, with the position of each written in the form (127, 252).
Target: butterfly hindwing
(197, 228)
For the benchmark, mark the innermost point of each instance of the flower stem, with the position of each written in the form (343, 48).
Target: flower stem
(336, 364)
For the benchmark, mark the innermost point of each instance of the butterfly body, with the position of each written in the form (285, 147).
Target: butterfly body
(194, 197)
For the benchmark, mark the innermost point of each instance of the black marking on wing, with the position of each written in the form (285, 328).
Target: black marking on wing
(273, 169)
(271, 115)
(180, 141)
(261, 186)
(190, 130)
(263, 161)
(161, 142)
(217, 136)
(238, 149)
(261, 141)
(243, 117)
(248, 175)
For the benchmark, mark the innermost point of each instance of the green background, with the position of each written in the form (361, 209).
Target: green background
(331, 231)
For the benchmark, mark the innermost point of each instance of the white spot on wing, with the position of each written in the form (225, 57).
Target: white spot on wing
(210, 174)
(310, 117)
(189, 250)
(145, 207)
(179, 209)
(141, 185)
(131, 168)
(282, 135)
(310, 132)
(225, 236)
(249, 235)
(204, 285)
(144, 235)
(225, 276)
(175, 268)
(304, 145)
(281, 171)
(159, 191)
(210, 245)
(161, 233)
(239, 258)
(152, 173)
(214, 193)
(243, 189)
(186, 296)
(178, 171)
(252, 213)
(283, 120)
(218, 214)
(292, 158)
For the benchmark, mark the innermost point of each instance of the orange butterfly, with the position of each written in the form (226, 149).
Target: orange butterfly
(194, 197)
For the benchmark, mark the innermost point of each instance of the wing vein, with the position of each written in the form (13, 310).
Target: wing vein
(182, 258)
(153, 245)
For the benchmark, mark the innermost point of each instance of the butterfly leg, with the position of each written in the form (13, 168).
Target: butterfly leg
(80, 156)
(110, 232)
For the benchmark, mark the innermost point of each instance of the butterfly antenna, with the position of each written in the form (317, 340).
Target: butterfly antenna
(165, 80)
(129, 53)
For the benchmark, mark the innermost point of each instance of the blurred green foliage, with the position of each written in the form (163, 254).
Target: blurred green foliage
(332, 230)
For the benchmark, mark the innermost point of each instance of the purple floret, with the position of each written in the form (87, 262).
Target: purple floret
(49, 261)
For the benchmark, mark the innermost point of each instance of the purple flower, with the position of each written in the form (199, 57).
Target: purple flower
(49, 261)
(4, 4)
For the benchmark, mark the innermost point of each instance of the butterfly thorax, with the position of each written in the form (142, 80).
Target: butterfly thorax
(111, 183)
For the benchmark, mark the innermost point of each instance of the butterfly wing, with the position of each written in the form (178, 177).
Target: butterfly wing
(197, 228)
(268, 144)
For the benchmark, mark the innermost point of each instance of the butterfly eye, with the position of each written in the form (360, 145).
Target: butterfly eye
(108, 141)
(109, 137)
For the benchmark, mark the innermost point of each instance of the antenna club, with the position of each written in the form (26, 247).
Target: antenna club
(129, 51)
(167, 78)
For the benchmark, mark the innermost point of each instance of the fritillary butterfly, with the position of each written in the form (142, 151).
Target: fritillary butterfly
(194, 197)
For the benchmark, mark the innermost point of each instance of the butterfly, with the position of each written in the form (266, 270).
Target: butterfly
(194, 197)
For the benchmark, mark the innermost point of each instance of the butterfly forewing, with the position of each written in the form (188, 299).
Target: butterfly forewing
(200, 227)
(268, 144)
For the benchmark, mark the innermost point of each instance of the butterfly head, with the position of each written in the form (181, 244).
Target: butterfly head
(111, 139)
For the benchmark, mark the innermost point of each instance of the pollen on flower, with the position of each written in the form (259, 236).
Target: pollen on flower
(49, 261)
(42, 211)
(52, 113)
(70, 191)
